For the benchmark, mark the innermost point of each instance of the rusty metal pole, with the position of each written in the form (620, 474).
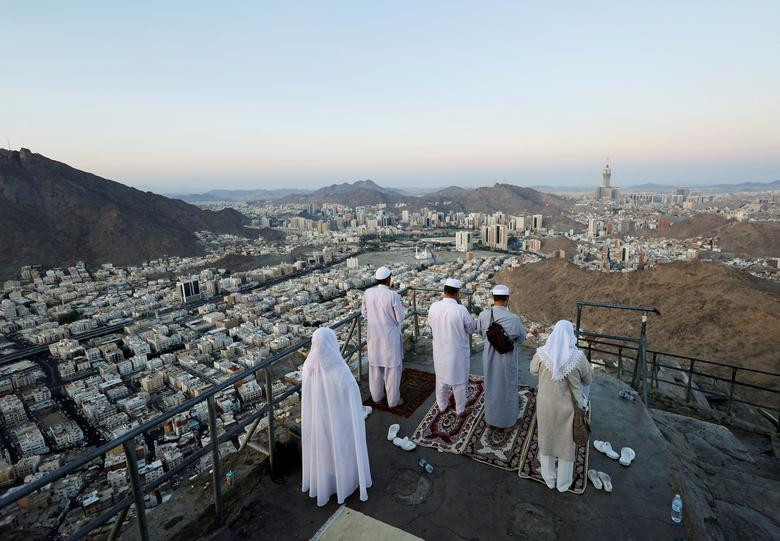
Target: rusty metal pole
(216, 463)
(269, 399)
(138, 489)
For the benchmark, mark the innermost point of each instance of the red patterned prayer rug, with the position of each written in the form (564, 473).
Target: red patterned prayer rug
(416, 387)
(531, 468)
(445, 430)
(501, 449)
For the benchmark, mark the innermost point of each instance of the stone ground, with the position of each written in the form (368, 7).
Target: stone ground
(464, 499)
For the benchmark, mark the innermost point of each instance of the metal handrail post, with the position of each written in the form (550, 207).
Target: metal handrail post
(579, 320)
(731, 392)
(360, 349)
(269, 398)
(620, 361)
(117, 527)
(643, 353)
(416, 318)
(138, 489)
(216, 465)
(689, 386)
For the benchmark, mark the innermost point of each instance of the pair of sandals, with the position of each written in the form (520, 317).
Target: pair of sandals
(600, 480)
(626, 456)
(404, 443)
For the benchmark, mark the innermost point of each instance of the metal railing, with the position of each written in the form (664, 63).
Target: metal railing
(139, 489)
(729, 390)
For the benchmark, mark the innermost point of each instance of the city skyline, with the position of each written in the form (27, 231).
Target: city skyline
(308, 96)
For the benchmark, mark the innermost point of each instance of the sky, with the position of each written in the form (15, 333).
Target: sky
(191, 96)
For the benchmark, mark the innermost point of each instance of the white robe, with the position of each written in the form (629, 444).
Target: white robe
(335, 454)
(384, 313)
(451, 325)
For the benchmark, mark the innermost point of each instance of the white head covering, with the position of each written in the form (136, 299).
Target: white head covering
(452, 282)
(382, 273)
(325, 352)
(560, 353)
(500, 290)
(333, 430)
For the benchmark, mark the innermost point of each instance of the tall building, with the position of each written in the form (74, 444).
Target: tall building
(495, 236)
(606, 192)
(463, 241)
(593, 228)
(188, 289)
(536, 222)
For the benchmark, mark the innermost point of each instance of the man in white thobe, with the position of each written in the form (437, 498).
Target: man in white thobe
(384, 313)
(451, 325)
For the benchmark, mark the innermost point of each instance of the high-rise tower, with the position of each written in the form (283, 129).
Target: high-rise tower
(606, 192)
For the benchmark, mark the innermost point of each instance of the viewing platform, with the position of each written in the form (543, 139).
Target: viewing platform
(465, 499)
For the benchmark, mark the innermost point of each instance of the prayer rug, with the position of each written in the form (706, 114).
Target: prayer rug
(501, 449)
(531, 468)
(445, 430)
(416, 387)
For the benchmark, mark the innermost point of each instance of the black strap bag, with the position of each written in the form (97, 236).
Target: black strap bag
(498, 337)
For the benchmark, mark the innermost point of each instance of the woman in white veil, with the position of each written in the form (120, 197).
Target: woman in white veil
(335, 455)
(564, 376)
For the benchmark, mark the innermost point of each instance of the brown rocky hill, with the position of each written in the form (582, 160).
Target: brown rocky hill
(752, 239)
(708, 310)
(52, 214)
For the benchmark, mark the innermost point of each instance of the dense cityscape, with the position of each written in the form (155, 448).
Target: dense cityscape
(119, 345)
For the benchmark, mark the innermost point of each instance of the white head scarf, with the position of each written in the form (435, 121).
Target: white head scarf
(325, 352)
(560, 353)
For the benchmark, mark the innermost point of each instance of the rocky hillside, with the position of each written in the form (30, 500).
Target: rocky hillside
(753, 239)
(708, 310)
(52, 214)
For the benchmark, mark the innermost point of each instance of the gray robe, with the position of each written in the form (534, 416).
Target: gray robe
(501, 405)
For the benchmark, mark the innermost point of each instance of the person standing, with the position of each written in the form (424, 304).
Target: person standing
(333, 429)
(501, 401)
(563, 371)
(451, 325)
(384, 313)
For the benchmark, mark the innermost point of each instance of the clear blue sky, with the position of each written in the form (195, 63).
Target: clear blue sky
(192, 96)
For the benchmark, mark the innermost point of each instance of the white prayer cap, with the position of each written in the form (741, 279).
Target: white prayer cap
(382, 273)
(452, 282)
(500, 290)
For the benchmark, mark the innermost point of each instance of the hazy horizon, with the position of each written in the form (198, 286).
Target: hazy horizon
(306, 95)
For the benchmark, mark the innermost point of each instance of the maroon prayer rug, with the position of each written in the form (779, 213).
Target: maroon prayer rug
(416, 387)
(531, 467)
(501, 449)
(445, 430)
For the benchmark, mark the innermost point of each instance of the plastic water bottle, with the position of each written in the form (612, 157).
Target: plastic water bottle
(677, 508)
(425, 465)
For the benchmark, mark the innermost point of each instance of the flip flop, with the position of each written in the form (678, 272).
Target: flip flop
(606, 480)
(627, 455)
(404, 443)
(593, 475)
(392, 432)
(367, 411)
(606, 448)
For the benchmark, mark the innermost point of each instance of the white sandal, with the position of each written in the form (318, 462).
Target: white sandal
(606, 480)
(606, 448)
(404, 443)
(392, 432)
(367, 411)
(593, 475)
(627, 455)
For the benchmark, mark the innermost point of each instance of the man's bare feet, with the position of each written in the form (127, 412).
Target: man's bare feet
(400, 402)
(510, 428)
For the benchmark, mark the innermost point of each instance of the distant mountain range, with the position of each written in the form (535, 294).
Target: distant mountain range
(368, 185)
(499, 197)
(239, 195)
(52, 214)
